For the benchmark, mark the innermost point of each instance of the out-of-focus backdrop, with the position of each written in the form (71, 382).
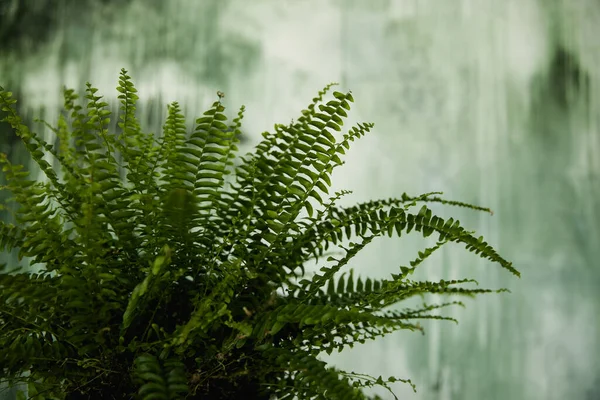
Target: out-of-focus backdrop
(491, 102)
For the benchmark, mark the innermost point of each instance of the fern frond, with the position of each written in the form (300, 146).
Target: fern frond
(160, 382)
(313, 377)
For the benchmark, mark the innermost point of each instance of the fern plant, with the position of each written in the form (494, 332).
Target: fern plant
(179, 284)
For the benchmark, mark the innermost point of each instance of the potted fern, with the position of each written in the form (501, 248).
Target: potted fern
(182, 285)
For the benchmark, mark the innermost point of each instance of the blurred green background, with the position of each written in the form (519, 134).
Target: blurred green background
(492, 102)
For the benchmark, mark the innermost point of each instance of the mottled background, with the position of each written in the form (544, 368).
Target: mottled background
(492, 102)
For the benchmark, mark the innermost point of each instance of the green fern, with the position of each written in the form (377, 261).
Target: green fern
(158, 382)
(165, 286)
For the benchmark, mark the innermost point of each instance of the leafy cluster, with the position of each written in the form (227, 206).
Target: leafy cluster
(172, 284)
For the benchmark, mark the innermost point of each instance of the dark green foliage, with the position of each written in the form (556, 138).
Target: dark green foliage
(566, 80)
(165, 286)
(25, 25)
